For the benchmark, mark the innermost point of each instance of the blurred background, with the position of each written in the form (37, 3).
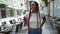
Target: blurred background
(16, 9)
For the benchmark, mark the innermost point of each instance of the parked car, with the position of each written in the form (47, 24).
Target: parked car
(20, 19)
(5, 25)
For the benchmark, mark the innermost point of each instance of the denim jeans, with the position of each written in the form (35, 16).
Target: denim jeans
(35, 31)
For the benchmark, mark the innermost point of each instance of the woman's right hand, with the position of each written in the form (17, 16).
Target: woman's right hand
(25, 20)
(41, 29)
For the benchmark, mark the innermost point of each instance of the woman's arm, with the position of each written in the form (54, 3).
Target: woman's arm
(43, 21)
(25, 20)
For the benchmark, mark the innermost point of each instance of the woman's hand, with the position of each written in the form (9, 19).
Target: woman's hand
(25, 20)
(41, 28)
(43, 21)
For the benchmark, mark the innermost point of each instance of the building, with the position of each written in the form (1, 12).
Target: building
(3, 9)
(11, 8)
(50, 7)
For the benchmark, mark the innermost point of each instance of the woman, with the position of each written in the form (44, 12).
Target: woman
(32, 19)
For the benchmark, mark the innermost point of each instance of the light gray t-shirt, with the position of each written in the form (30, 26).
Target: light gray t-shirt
(33, 19)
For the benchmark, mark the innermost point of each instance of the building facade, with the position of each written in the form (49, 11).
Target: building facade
(11, 8)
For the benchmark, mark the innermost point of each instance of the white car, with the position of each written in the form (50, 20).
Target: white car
(5, 25)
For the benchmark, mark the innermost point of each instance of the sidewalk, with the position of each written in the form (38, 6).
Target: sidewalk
(24, 30)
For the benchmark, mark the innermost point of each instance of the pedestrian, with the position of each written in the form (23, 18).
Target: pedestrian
(33, 19)
(13, 31)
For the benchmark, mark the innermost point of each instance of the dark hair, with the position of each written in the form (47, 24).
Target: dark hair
(36, 4)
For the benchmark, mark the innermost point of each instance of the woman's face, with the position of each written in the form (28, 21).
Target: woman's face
(33, 6)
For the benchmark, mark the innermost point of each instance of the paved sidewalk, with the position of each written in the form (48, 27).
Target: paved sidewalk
(24, 30)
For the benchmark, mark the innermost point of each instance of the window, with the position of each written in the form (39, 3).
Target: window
(18, 13)
(11, 22)
(3, 23)
(56, 8)
(3, 13)
(2, 5)
(11, 13)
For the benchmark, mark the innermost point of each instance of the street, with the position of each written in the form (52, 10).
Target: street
(24, 30)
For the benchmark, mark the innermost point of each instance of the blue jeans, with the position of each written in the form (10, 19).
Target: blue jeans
(35, 31)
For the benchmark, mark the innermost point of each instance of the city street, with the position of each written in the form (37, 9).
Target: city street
(15, 14)
(24, 30)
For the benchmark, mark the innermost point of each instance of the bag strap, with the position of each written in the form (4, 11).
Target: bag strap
(29, 22)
